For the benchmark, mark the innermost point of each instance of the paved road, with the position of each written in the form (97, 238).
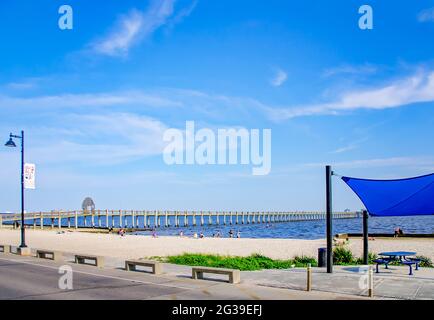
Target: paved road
(26, 279)
(32, 278)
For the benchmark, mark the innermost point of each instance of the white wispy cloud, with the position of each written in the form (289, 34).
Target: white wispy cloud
(350, 146)
(408, 90)
(279, 78)
(182, 14)
(88, 100)
(119, 41)
(345, 149)
(426, 15)
(133, 27)
(21, 85)
(413, 89)
(350, 69)
(412, 162)
(96, 139)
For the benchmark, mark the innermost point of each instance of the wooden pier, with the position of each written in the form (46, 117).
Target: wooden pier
(157, 218)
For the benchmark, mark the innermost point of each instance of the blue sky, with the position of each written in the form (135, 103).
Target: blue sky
(94, 101)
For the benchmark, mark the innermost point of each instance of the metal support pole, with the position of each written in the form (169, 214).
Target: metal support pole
(365, 237)
(370, 282)
(309, 278)
(329, 219)
(23, 234)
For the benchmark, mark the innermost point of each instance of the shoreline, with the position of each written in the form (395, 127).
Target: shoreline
(135, 246)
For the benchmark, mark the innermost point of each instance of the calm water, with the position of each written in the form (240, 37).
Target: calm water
(311, 229)
(298, 230)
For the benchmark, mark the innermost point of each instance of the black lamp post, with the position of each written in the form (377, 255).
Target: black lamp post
(329, 219)
(11, 143)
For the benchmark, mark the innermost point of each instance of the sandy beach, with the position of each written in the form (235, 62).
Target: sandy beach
(134, 247)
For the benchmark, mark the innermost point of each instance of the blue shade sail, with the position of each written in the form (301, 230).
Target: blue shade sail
(402, 197)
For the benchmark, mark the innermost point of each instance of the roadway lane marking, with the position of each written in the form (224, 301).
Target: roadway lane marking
(101, 276)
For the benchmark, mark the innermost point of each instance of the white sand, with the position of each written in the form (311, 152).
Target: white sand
(134, 247)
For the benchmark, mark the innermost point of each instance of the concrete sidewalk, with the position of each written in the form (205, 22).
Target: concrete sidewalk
(176, 282)
(32, 278)
(394, 283)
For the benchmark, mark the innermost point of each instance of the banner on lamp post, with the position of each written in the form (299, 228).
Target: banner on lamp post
(29, 176)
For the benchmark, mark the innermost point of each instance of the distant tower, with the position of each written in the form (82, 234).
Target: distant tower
(88, 204)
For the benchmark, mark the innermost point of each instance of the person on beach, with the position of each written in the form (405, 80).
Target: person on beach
(238, 234)
(398, 232)
(181, 233)
(201, 235)
(231, 234)
(218, 234)
(195, 235)
(122, 232)
(154, 233)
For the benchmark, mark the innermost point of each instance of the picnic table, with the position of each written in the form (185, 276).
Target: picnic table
(402, 257)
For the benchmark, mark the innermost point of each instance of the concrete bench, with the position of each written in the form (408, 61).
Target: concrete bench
(26, 251)
(97, 261)
(157, 268)
(234, 275)
(51, 255)
(4, 248)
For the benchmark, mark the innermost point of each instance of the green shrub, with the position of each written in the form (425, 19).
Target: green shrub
(303, 261)
(425, 262)
(371, 257)
(343, 256)
(250, 263)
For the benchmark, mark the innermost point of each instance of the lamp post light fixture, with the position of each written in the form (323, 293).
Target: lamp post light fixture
(11, 143)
